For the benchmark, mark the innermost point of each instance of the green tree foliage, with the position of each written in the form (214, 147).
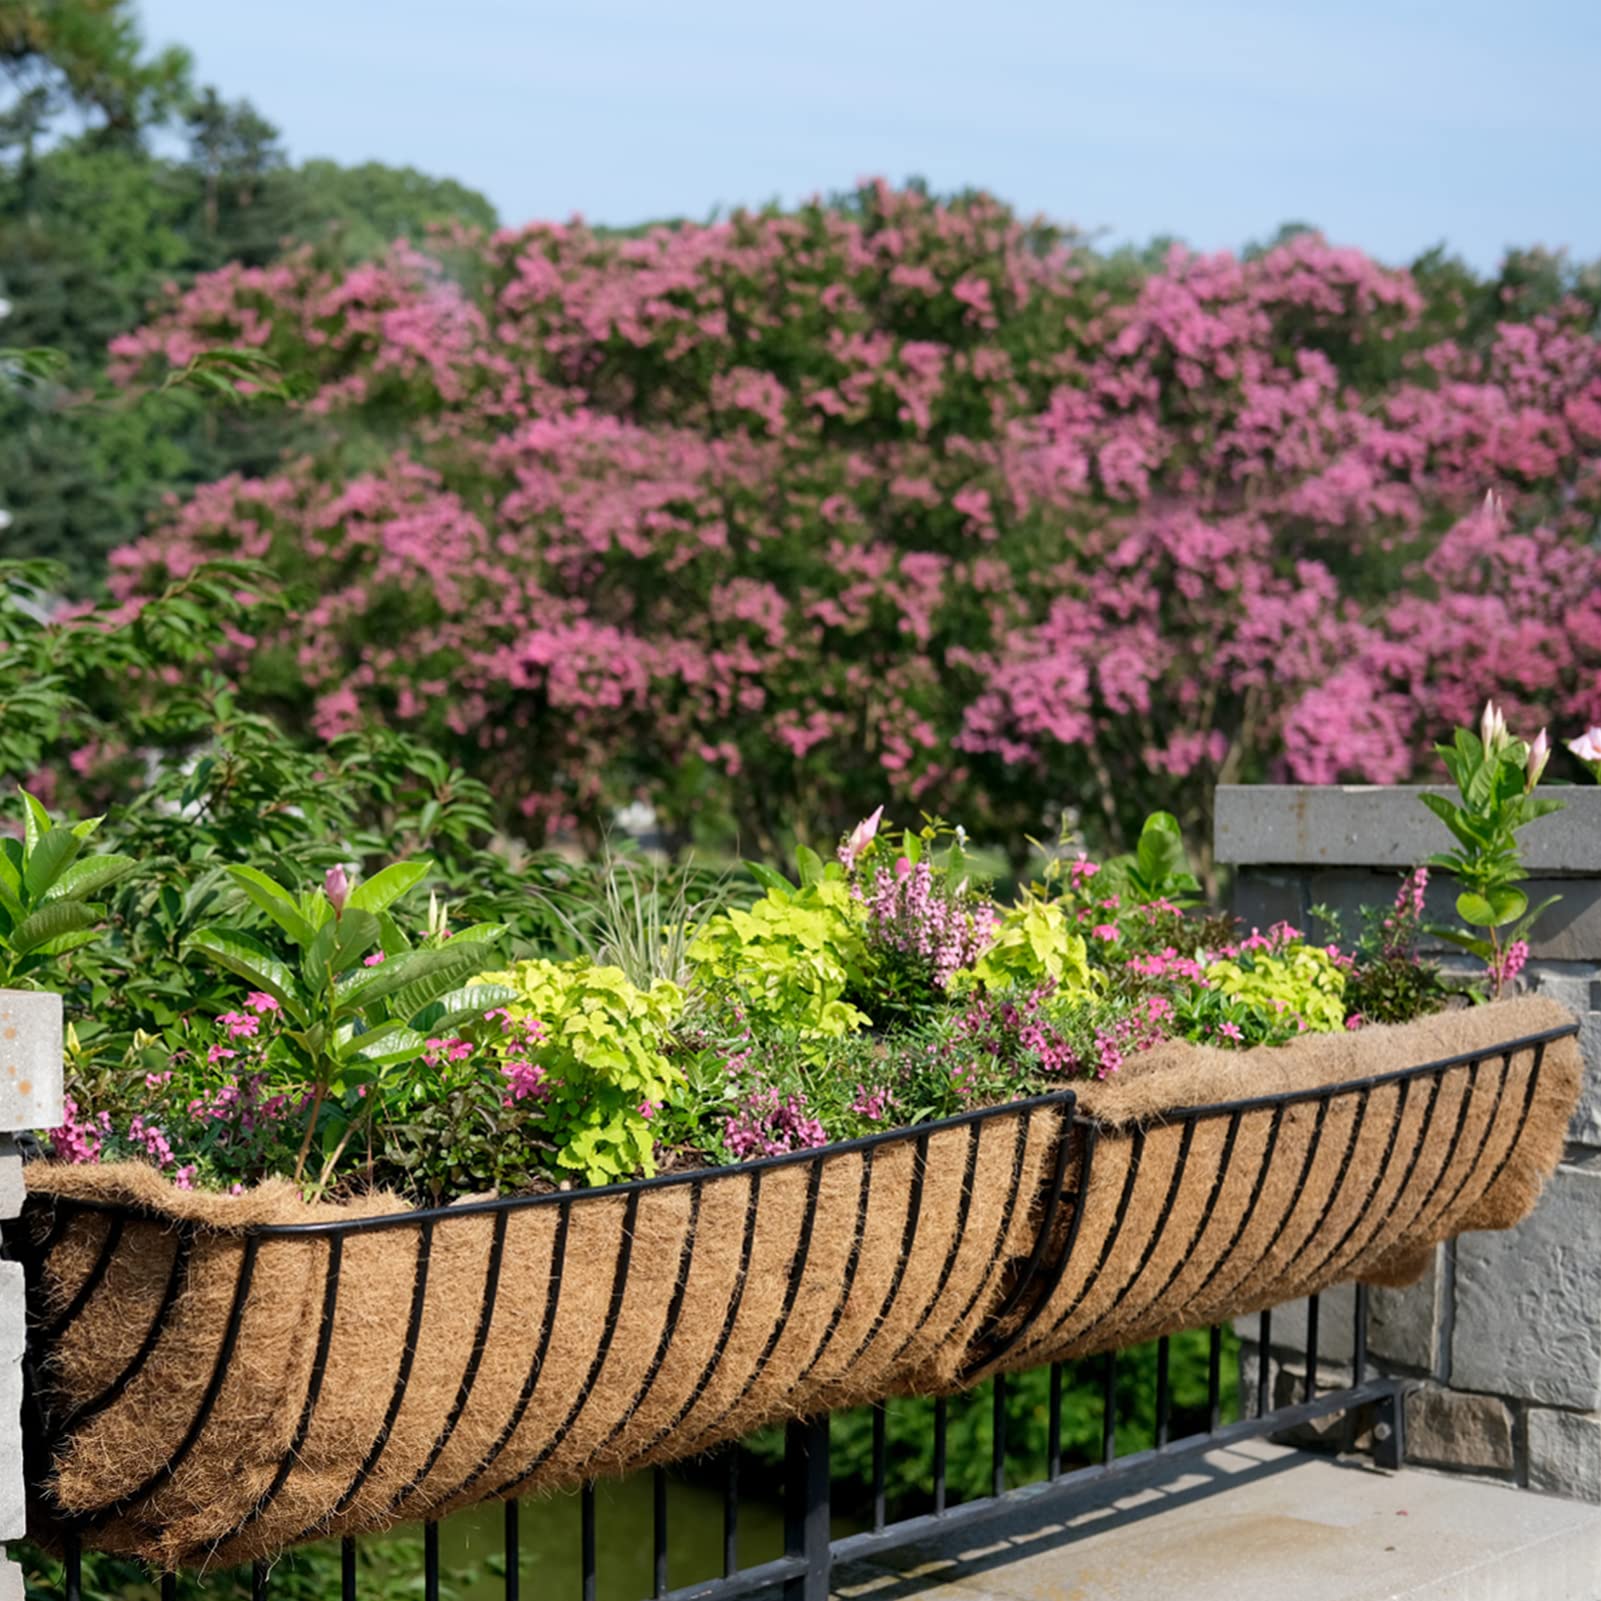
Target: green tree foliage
(94, 224)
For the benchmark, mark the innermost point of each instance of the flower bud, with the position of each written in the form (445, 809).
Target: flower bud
(1539, 755)
(1492, 728)
(336, 886)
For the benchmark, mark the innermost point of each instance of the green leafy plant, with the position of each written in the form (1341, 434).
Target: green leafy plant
(1495, 775)
(359, 1002)
(602, 1069)
(46, 890)
(1289, 982)
(1034, 945)
(1157, 869)
(643, 916)
(789, 960)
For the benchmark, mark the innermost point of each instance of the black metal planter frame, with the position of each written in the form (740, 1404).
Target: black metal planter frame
(804, 1570)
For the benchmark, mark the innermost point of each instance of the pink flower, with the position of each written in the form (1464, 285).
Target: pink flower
(375, 960)
(1587, 747)
(261, 1004)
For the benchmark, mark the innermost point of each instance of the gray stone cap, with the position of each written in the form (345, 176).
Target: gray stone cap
(1378, 825)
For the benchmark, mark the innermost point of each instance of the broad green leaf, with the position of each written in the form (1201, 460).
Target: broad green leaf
(383, 889)
(244, 955)
(62, 943)
(50, 857)
(35, 821)
(50, 923)
(478, 934)
(88, 876)
(390, 1050)
(1463, 941)
(462, 1006)
(88, 828)
(810, 864)
(408, 976)
(1474, 908)
(1160, 852)
(769, 878)
(1508, 904)
(272, 898)
(339, 946)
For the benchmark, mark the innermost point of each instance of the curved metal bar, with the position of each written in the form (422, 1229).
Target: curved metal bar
(1373, 1082)
(963, 1210)
(93, 1517)
(1435, 1215)
(158, 1324)
(1206, 1212)
(319, 1366)
(1008, 1212)
(792, 1284)
(675, 1306)
(735, 1301)
(547, 1326)
(1053, 1201)
(1523, 1119)
(1226, 1256)
(1331, 1201)
(1311, 1275)
(521, 1203)
(1091, 1133)
(1158, 1228)
(1137, 1141)
(92, 1279)
(619, 1287)
(408, 1355)
(852, 1262)
(1421, 1205)
(914, 1210)
(469, 1377)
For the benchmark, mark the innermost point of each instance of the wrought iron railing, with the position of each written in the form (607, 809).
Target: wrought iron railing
(811, 1553)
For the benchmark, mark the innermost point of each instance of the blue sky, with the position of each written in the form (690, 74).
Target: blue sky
(1390, 124)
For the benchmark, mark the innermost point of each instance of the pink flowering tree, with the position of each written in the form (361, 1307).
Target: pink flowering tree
(769, 520)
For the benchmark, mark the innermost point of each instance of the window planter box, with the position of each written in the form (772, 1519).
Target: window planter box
(213, 1379)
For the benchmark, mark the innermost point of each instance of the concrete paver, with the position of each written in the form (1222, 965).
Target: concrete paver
(1260, 1522)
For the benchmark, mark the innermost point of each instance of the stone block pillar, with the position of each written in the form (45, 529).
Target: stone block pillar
(30, 1098)
(1503, 1335)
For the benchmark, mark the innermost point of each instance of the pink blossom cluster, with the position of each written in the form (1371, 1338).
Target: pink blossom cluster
(1004, 1027)
(1135, 1031)
(872, 1104)
(81, 1134)
(1398, 930)
(899, 497)
(242, 1104)
(1513, 960)
(523, 1072)
(767, 1124)
(912, 914)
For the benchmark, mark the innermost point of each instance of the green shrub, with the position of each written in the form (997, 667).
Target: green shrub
(602, 1071)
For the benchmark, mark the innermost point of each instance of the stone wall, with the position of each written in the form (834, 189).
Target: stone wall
(1503, 1335)
(30, 1098)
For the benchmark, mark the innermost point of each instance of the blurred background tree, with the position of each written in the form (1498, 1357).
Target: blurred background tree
(118, 175)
